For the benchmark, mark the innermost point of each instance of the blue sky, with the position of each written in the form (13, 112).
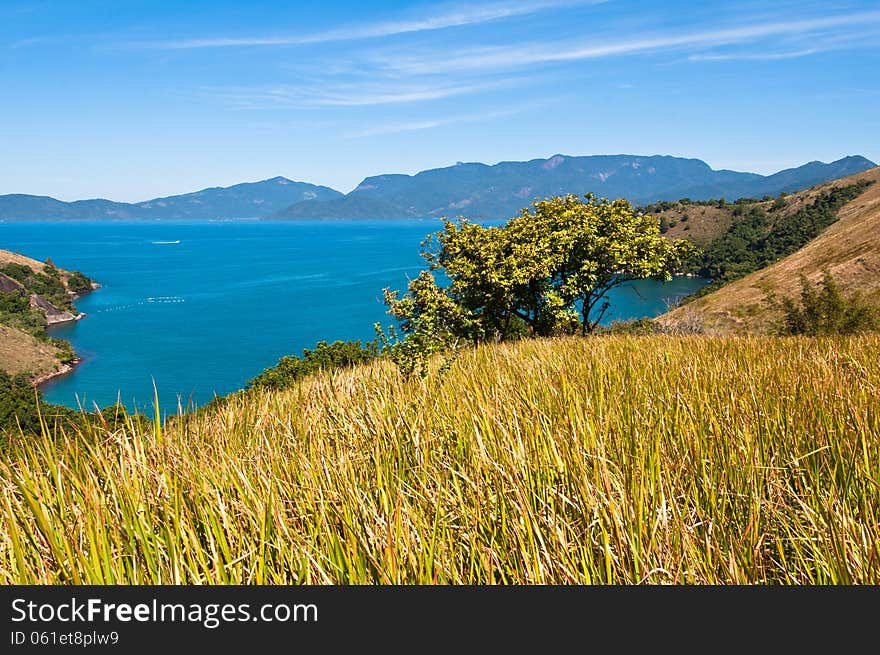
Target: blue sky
(133, 100)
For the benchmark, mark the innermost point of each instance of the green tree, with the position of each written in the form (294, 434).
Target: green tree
(546, 271)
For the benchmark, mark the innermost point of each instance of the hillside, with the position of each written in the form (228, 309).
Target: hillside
(34, 295)
(849, 248)
(248, 200)
(638, 460)
(480, 191)
(21, 352)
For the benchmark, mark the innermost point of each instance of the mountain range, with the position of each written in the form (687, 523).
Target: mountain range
(248, 200)
(475, 190)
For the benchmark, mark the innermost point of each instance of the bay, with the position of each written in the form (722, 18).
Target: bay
(198, 308)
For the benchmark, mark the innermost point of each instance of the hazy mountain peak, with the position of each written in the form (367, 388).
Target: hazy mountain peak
(482, 191)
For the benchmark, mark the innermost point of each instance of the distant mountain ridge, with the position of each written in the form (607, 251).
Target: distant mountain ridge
(247, 200)
(479, 191)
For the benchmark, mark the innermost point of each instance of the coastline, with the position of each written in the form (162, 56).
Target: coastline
(66, 369)
(69, 367)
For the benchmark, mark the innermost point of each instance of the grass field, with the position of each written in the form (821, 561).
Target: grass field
(603, 460)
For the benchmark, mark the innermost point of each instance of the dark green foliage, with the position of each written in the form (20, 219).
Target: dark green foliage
(324, 357)
(16, 311)
(778, 203)
(47, 284)
(21, 407)
(18, 404)
(66, 353)
(824, 310)
(666, 205)
(78, 282)
(18, 272)
(117, 417)
(754, 241)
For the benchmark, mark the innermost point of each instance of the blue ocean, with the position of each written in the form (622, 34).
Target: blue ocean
(199, 308)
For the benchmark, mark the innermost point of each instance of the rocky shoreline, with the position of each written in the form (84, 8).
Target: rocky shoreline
(70, 367)
(66, 369)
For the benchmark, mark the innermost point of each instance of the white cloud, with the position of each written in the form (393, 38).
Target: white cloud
(348, 95)
(754, 56)
(523, 55)
(393, 128)
(451, 18)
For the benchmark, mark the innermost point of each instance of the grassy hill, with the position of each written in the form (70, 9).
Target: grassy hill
(849, 249)
(600, 460)
(33, 295)
(21, 352)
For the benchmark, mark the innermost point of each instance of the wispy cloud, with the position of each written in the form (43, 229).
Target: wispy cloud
(523, 55)
(755, 56)
(452, 17)
(393, 128)
(348, 95)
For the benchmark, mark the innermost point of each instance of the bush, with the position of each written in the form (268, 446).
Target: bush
(16, 311)
(78, 282)
(324, 357)
(824, 310)
(18, 404)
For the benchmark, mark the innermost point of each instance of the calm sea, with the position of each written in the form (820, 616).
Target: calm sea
(200, 308)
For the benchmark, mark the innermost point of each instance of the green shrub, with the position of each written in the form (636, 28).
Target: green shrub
(16, 311)
(824, 310)
(78, 282)
(19, 403)
(323, 357)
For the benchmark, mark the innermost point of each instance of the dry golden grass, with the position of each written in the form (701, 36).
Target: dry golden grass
(698, 223)
(9, 257)
(619, 460)
(849, 248)
(22, 353)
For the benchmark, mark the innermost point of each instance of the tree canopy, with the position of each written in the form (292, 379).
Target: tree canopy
(546, 271)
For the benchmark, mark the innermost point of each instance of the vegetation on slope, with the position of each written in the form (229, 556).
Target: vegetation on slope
(848, 248)
(22, 408)
(323, 357)
(823, 309)
(753, 241)
(23, 341)
(600, 460)
(22, 353)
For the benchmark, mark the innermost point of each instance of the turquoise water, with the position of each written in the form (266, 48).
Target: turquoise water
(202, 307)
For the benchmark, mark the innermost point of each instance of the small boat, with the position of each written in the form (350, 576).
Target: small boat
(165, 243)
